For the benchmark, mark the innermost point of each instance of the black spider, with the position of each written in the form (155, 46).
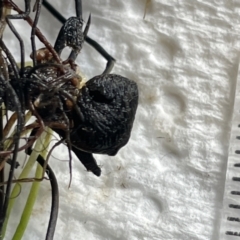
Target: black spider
(95, 118)
(105, 106)
(103, 110)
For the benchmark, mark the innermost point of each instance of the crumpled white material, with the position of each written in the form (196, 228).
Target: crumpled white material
(168, 182)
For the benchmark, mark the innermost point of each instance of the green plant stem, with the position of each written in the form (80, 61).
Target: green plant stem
(26, 214)
(24, 174)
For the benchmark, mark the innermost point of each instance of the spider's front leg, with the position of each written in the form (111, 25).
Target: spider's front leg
(90, 41)
(71, 34)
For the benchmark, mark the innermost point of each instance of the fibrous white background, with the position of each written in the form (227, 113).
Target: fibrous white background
(168, 182)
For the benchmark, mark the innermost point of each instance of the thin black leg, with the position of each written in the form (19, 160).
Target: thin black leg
(2, 189)
(38, 5)
(16, 137)
(55, 198)
(12, 94)
(11, 59)
(110, 60)
(19, 16)
(78, 7)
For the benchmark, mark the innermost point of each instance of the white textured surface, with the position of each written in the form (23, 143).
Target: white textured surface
(168, 182)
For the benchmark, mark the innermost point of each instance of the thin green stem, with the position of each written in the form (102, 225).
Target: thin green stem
(26, 214)
(24, 174)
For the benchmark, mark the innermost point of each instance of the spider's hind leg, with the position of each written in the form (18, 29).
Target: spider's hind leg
(110, 60)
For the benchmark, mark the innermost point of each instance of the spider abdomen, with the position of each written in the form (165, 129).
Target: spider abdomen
(108, 103)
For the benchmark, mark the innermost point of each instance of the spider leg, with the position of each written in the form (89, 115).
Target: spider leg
(87, 160)
(110, 60)
(4, 71)
(87, 26)
(38, 33)
(55, 197)
(11, 59)
(67, 138)
(16, 138)
(9, 101)
(90, 41)
(28, 150)
(4, 82)
(73, 55)
(70, 35)
(2, 188)
(38, 5)
(19, 16)
(78, 7)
